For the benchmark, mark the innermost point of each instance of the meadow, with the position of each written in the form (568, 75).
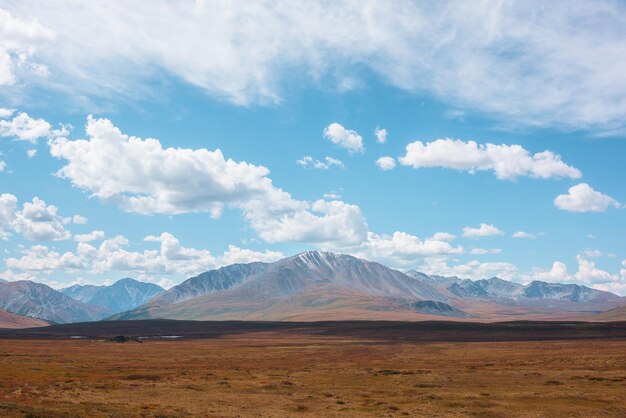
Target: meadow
(274, 373)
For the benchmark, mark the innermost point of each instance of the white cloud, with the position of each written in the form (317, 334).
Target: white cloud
(321, 222)
(111, 255)
(345, 138)
(400, 248)
(5, 112)
(482, 251)
(473, 269)
(381, 135)
(79, 220)
(40, 222)
(25, 128)
(507, 161)
(534, 64)
(522, 234)
(557, 274)
(308, 161)
(92, 236)
(589, 274)
(31, 153)
(2, 165)
(151, 179)
(484, 230)
(582, 198)
(443, 236)
(18, 40)
(8, 207)
(386, 163)
(589, 253)
(331, 196)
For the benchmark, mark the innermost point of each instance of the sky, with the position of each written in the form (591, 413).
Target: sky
(158, 140)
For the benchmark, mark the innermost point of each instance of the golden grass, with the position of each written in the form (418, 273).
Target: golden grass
(269, 375)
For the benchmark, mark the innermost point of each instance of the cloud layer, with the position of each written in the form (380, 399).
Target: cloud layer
(529, 63)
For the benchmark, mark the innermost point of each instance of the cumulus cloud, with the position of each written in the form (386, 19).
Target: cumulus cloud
(320, 222)
(522, 234)
(443, 236)
(38, 221)
(308, 161)
(8, 207)
(79, 220)
(506, 161)
(31, 153)
(92, 236)
(401, 248)
(344, 138)
(18, 44)
(473, 269)
(484, 230)
(149, 178)
(386, 163)
(26, 128)
(5, 112)
(557, 274)
(113, 255)
(381, 135)
(587, 274)
(582, 198)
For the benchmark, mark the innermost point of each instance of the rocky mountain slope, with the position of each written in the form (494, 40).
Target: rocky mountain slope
(123, 295)
(37, 300)
(311, 284)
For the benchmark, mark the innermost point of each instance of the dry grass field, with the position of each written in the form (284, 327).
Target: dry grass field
(266, 374)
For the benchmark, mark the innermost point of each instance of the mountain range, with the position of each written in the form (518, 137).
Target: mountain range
(313, 285)
(123, 295)
(320, 285)
(77, 303)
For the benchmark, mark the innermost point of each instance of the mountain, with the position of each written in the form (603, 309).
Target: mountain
(310, 285)
(37, 300)
(123, 295)
(494, 287)
(11, 320)
(498, 288)
(433, 279)
(210, 281)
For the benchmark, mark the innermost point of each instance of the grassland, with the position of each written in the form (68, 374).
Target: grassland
(274, 373)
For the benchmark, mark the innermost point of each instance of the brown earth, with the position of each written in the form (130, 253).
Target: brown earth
(9, 320)
(262, 370)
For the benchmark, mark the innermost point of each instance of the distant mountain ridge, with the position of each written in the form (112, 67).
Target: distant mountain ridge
(37, 300)
(313, 281)
(312, 285)
(124, 295)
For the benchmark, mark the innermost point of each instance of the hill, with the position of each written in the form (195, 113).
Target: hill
(13, 321)
(617, 314)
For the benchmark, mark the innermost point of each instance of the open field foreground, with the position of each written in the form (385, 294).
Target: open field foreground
(286, 372)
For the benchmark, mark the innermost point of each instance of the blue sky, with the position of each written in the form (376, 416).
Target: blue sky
(503, 155)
